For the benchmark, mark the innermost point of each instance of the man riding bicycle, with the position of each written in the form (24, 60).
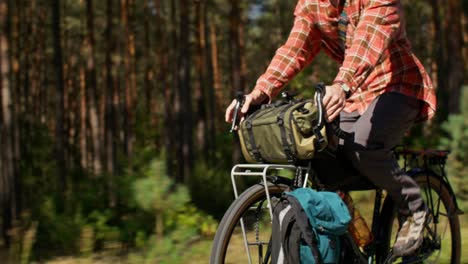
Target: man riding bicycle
(381, 89)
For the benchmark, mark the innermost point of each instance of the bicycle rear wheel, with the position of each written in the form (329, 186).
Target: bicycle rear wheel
(442, 239)
(250, 210)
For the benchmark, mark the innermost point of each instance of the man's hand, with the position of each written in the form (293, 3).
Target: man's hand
(256, 97)
(334, 101)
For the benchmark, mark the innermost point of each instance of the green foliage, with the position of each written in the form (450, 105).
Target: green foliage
(456, 141)
(99, 222)
(157, 192)
(208, 180)
(35, 164)
(88, 223)
(57, 233)
(177, 221)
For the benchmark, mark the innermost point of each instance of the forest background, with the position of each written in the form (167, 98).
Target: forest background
(112, 138)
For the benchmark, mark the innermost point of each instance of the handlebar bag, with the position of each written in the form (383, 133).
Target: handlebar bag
(282, 132)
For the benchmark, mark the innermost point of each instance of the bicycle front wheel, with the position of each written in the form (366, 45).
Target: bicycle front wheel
(245, 230)
(442, 240)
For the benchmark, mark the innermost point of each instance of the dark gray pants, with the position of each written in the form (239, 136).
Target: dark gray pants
(376, 132)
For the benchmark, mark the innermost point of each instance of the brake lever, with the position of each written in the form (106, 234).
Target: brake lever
(334, 125)
(320, 93)
(239, 103)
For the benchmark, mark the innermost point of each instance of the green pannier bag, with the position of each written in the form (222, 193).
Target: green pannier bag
(282, 132)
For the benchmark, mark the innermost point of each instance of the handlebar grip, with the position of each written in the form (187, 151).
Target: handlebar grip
(239, 96)
(320, 88)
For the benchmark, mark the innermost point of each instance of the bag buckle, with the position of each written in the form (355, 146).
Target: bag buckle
(257, 155)
(280, 121)
(289, 156)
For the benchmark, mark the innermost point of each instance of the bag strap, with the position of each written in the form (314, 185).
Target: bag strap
(335, 127)
(284, 141)
(255, 150)
(303, 222)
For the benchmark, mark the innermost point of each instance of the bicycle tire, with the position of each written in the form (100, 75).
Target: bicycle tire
(232, 217)
(429, 182)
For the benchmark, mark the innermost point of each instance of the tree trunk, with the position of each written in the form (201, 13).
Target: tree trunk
(455, 62)
(66, 64)
(439, 53)
(236, 59)
(162, 60)
(41, 58)
(208, 85)
(91, 91)
(130, 77)
(8, 188)
(184, 119)
(59, 105)
(83, 117)
(237, 46)
(148, 77)
(219, 94)
(110, 107)
(176, 160)
(211, 111)
(34, 75)
(200, 82)
(448, 42)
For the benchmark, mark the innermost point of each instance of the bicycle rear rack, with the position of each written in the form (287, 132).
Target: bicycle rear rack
(263, 171)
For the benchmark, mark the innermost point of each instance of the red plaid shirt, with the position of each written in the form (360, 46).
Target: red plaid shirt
(375, 59)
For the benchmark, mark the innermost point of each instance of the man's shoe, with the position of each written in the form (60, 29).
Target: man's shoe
(410, 236)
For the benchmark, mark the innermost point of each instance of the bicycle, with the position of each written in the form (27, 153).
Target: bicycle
(244, 233)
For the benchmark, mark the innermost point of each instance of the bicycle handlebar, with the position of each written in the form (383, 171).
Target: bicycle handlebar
(320, 93)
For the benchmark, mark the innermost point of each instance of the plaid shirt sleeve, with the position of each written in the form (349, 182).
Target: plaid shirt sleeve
(379, 24)
(301, 47)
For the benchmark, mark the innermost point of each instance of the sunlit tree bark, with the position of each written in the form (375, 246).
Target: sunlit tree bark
(92, 89)
(219, 94)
